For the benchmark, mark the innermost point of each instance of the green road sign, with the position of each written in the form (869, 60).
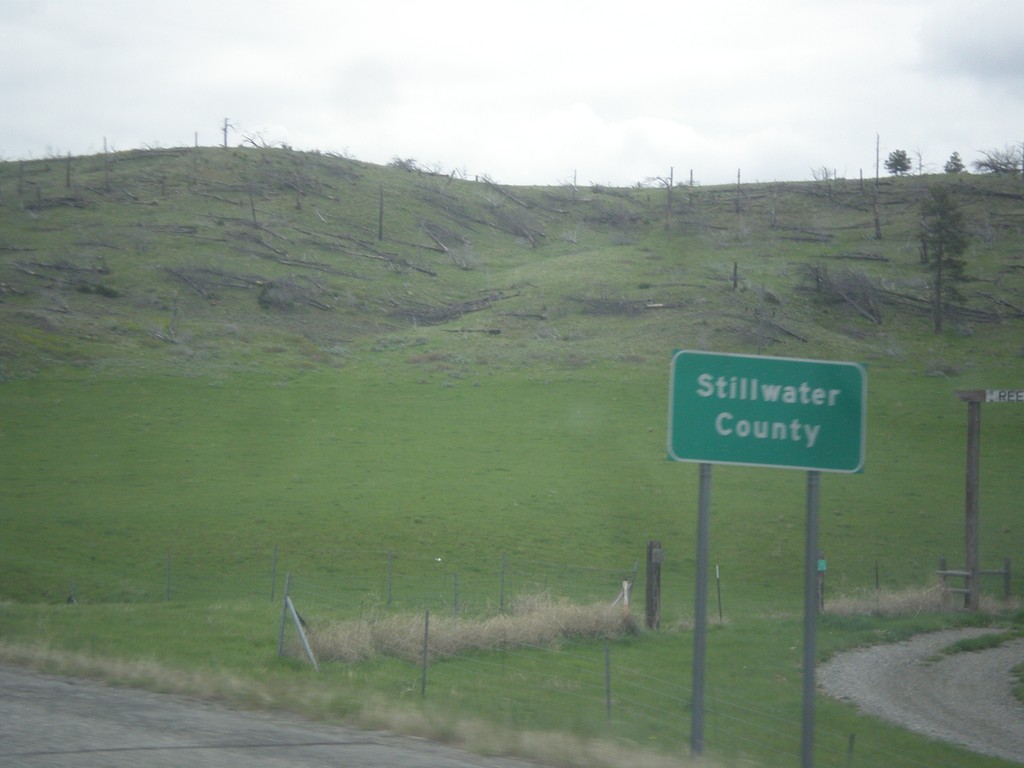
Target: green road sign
(767, 411)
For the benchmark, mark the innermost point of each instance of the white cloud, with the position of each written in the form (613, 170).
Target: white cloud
(527, 94)
(980, 43)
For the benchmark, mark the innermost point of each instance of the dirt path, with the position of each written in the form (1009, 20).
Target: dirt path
(964, 698)
(46, 722)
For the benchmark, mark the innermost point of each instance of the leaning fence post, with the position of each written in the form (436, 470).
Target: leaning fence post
(167, 580)
(1006, 578)
(302, 633)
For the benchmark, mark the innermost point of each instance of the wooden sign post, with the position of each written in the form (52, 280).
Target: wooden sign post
(974, 399)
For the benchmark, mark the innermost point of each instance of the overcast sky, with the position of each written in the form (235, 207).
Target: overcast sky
(527, 92)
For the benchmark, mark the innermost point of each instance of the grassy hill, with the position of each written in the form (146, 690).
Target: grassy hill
(410, 391)
(217, 260)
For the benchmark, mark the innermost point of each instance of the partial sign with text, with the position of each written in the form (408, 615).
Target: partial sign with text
(767, 411)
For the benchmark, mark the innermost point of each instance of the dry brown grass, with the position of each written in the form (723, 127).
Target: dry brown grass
(909, 602)
(532, 621)
(378, 714)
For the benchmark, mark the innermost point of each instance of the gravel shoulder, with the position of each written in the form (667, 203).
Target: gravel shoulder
(963, 698)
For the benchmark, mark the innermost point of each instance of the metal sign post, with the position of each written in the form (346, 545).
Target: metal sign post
(770, 412)
(810, 617)
(700, 611)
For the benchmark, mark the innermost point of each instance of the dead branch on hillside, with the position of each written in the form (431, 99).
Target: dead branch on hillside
(218, 198)
(525, 315)
(296, 290)
(170, 333)
(806, 235)
(517, 224)
(42, 203)
(203, 280)
(613, 216)
(29, 267)
(440, 234)
(859, 256)
(65, 275)
(8, 289)
(926, 306)
(425, 314)
(171, 229)
(505, 193)
(847, 286)
(1017, 311)
(604, 305)
(764, 320)
(986, 192)
(364, 250)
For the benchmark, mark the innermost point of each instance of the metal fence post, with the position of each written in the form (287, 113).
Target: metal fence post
(284, 615)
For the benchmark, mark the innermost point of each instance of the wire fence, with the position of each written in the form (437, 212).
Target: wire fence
(604, 689)
(473, 583)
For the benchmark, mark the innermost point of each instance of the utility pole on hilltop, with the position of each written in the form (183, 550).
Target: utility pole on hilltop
(878, 221)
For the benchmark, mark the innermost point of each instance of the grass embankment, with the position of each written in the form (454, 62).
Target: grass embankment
(319, 469)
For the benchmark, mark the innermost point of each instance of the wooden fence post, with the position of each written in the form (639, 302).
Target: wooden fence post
(390, 566)
(652, 607)
(273, 576)
(501, 586)
(426, 653)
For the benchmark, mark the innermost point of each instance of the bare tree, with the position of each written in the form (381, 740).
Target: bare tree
(668, 183)
(1006, 160)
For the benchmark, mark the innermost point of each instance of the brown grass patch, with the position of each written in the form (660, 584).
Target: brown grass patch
(532, 621)
(908, 602)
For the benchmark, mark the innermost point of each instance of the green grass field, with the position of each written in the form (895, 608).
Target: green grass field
(169, 453)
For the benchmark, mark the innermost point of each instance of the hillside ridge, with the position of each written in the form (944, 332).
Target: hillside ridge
(212, 259)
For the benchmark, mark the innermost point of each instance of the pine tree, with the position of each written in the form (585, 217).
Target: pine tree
(954, 164)
(943, 242)
(898, 163)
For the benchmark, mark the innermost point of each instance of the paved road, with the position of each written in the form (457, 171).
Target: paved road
(50, 721)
